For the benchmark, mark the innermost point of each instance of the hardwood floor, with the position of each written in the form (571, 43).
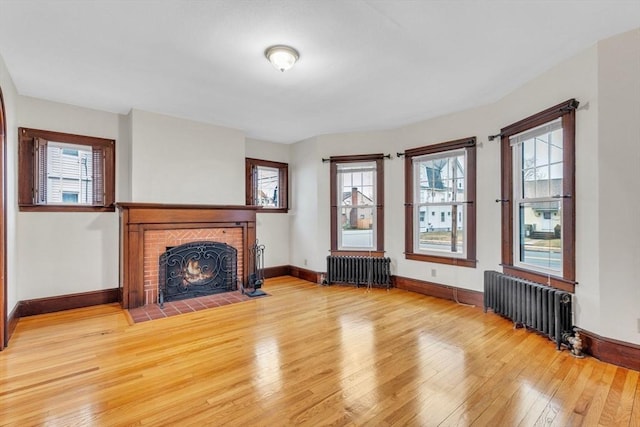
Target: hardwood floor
(306, 355)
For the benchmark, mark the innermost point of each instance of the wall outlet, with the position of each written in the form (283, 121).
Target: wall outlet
(639, 326)
(433, 272)
(305, 261)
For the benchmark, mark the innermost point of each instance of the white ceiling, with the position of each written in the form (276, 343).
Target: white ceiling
(364, 65)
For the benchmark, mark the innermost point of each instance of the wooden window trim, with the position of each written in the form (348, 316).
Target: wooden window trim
(283, 184)
(5, 322)
(469, 144)
(333, 182)
(566, 111)
(27, 170)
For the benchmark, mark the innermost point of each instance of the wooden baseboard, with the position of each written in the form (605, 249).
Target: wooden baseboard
(280, 270)
(611, 351)
(304, 274)
(67, 302)
(12, 322)
(451, 293)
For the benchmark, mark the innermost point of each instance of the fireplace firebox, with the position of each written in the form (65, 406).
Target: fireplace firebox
(197, 269)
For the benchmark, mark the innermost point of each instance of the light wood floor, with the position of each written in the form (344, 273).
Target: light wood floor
(306, 355)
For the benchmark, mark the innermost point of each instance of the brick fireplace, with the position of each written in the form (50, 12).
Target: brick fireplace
(147, 230)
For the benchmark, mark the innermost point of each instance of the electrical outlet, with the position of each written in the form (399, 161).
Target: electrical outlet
(305, 261)
(433, 272)
(639, 326)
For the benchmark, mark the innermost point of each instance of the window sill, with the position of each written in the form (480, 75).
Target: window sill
(272, 210)
(543, 279)
(357, 253)
(461, 262)
(57, 208)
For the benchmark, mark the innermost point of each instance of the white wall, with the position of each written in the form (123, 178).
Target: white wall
(605, 79)
(158, 159)
(575, 78)
(354, 144)
(308, 241)
(123, 159)
(181, 161)
(272, 228)
(478, 122)
(70, 252)
(618, 157)
(475, 122)
(10, 98)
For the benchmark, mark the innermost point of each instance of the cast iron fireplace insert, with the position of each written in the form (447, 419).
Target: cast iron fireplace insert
(197, 269)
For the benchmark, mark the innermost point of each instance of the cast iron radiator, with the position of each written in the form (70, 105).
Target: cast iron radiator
(359, 270)
(529, 304)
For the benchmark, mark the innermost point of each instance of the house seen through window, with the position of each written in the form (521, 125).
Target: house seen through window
(539, 172)
(69, 174)
(356, 199)
(538, 215)
(357, 204)
(440, 181)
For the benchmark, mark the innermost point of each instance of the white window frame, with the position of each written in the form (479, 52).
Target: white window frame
(567, 280)
(351, 167)
(519, 197)
(412, 251)
(418, 204)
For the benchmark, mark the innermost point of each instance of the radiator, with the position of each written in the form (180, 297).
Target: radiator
(359, 270)
(529, 304)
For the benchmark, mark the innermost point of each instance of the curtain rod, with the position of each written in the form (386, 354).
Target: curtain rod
(384, 156)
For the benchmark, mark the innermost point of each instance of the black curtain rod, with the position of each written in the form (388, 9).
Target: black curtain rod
(384, 156)
(570, 106)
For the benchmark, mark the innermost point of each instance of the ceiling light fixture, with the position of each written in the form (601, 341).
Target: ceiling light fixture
(282, 57)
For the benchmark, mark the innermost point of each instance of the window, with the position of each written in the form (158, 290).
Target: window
(538, 213)
(267, 185)
(357, 201)
(440, 179)
(65, 172)
(69, 174)
(69, 197)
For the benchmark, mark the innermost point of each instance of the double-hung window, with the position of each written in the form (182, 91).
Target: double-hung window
(357, 199)
(440, 211)
(538, 197)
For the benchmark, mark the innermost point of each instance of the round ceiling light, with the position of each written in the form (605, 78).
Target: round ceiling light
(282, 57)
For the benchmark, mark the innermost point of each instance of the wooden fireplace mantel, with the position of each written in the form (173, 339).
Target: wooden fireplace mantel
(136, 218)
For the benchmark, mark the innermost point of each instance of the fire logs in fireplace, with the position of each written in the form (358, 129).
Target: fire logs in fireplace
(197, 269)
